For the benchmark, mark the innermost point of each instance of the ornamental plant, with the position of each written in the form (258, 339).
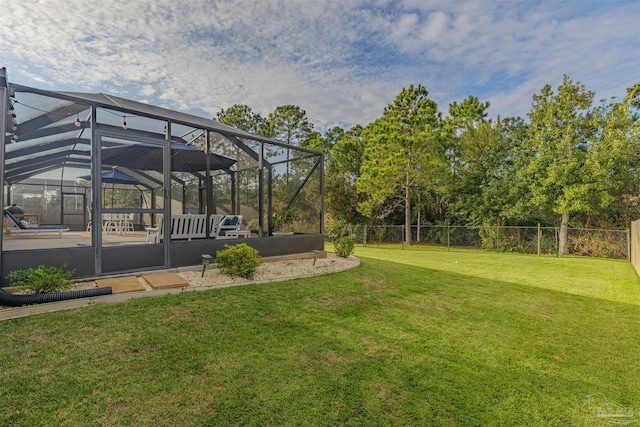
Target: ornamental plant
(285, 216)
(42, 279)
(238, 260)
(343, 247)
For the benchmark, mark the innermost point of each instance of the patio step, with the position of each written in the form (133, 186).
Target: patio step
(121, 284)
(165, 280)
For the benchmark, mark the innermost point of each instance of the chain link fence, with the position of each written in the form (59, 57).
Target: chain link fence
(530, 240)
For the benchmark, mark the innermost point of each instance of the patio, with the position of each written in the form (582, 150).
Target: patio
(76, 159)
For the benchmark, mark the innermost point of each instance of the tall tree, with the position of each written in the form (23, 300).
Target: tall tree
(633, 96)
(324, 144)
(463, 118)
(343, 169)
(243, 117)
(289, 124)
(480, 189)
(402, 150)
(561, 128)
(613, 163)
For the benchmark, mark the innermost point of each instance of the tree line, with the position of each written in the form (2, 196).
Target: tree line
(573, 163)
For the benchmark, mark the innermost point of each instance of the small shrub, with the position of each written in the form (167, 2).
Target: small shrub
(343, 247)
(238, 260)
(335, 229)
(42, 279)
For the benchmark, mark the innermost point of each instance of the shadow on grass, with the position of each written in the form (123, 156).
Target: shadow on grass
(387, 343)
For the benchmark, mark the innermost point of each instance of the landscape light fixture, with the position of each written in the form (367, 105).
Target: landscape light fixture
(206, 260)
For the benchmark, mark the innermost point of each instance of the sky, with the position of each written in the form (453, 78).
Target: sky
(342, 61)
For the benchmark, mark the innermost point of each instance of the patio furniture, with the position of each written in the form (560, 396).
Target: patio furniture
(117, 223)
(230, 224)
(32, 219)
(23, 228)
(236, 234)
(185, 227)
(214, 224)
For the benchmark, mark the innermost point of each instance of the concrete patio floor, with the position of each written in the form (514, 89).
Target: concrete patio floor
(69, 239)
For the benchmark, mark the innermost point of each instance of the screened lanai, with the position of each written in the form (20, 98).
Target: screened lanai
(109, 185)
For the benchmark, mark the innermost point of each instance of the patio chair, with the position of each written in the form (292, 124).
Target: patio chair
(154, 233)
(214, 224)
(22, 228)
(229, 227)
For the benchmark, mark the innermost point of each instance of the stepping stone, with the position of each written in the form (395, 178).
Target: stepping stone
(165, 280)
(121, 284)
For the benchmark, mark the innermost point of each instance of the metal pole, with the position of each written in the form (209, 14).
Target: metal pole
(539, 238)
(261, 190)
(557, 242)
(448, 238)
(166, 196)
(208, 209)
(321, 195)
(96, 189)
(497, 238)
(4, 100)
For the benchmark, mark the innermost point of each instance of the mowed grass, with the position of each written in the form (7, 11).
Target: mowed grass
(412, 337)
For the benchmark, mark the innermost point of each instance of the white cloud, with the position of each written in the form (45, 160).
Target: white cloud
(342, 61)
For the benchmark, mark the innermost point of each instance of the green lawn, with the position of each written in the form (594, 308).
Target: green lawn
(412, 337)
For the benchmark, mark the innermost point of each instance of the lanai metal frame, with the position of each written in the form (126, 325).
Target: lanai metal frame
(63, 136)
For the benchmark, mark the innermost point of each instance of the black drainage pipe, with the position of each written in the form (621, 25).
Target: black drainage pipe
(17, 300)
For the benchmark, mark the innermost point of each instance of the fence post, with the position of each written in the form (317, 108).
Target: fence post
(448, 238)
(539, 238)
(364, 238)
(557, 243)
(403, 238)
(497, 239)
(628, 245)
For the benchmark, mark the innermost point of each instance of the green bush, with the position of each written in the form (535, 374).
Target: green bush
(335, 229)
(343, 247)
(238, 260)
(284, 217)
(42, 279)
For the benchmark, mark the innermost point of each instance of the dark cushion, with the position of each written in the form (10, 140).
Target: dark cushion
(230, 220)
(15, 220)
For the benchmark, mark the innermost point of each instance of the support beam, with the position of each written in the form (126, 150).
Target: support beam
(320, 163)
(15, 151)
(61, 113)
(4, 104)
(261, 191)
(207, 185)
(244, 147)
(322, 194)
(295, 159)
(55, 130)
(27, 173)
(34, 163)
